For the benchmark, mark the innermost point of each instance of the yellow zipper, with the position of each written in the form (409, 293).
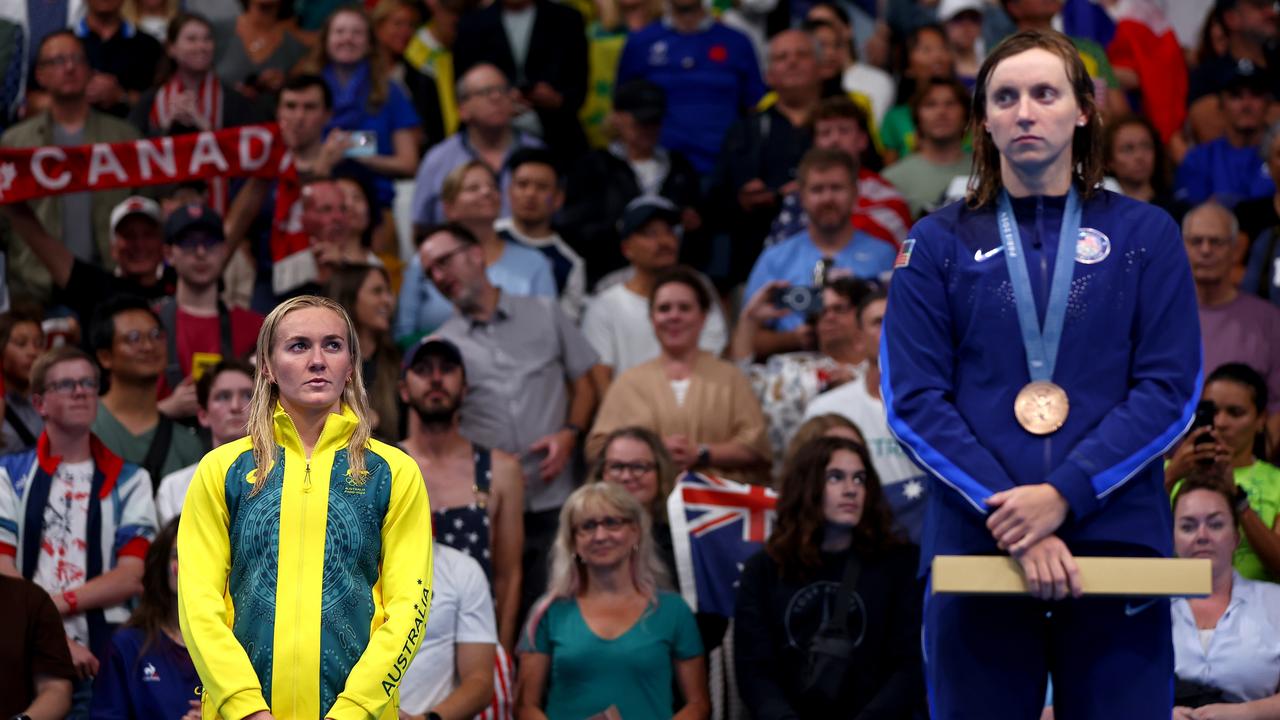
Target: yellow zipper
(297, 603)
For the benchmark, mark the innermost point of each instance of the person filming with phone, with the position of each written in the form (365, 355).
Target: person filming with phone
(1229, 433)
(829, 246)
(787, 382)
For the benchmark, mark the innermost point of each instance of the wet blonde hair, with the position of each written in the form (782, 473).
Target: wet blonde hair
(266, 393)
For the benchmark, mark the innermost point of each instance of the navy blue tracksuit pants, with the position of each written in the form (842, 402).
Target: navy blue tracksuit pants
(988, 657)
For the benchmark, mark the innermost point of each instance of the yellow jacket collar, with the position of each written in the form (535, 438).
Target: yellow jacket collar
(337, 431)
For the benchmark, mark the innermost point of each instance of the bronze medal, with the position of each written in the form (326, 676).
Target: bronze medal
(1041, 407)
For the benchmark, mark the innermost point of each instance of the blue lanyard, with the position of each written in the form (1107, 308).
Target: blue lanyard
(1041, 347)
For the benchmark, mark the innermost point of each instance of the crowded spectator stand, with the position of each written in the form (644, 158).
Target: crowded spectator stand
(607, 281)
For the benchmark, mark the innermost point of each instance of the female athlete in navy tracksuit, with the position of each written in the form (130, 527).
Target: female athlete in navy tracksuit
(1104, 372)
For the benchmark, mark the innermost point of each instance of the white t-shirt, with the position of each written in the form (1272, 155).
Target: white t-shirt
(680, 388)
(63, 559)
(574, 293)
(518, 26)
(873, 82)
(617, 325)
(461, 612)
(649, 175)
(852, 401)
(172, 492)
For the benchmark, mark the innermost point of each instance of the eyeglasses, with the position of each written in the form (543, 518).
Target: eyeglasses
(619, 469)
(836, 477)
(68, 386)
(192, 241)
(133, 338)
(1216, 242)
(61, 61)
(439, 263)
(610, 522)
(487, 91)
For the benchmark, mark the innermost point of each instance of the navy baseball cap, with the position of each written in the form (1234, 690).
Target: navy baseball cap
(1247, 74)
(432, 345)
(193, 217)
(643, 100)
(643, 209)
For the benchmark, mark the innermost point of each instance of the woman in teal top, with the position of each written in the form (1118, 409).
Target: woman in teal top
(604, 636)
(1239, 395)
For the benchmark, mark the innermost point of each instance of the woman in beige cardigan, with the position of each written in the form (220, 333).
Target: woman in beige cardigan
(701, 406)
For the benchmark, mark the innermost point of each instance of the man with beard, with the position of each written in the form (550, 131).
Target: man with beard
(477, 497)
(830, 246)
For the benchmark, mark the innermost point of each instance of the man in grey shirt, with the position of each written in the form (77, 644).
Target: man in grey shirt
(531, 382)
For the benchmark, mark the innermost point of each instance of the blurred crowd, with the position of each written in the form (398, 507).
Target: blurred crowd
(588, 246)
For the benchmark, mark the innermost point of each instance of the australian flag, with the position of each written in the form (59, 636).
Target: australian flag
(716, 524)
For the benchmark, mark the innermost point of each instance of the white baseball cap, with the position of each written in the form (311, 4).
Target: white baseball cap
(135, 205)
(948, 9)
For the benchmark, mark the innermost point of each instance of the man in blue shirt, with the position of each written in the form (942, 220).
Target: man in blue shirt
(1230, 169)
(829, 244)
(708, 71)
(486, 106)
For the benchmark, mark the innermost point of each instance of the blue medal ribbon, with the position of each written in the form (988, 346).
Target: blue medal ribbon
(1041, 347)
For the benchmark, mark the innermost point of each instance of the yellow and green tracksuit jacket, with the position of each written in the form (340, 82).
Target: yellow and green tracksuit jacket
(310, 598)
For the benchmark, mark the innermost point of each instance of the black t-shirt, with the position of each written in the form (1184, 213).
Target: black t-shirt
(131, 55)
(1257, 215)
(32, 643)
(776, 618)
(89, 285)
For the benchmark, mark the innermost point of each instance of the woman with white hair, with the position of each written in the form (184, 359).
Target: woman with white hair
(605, 638)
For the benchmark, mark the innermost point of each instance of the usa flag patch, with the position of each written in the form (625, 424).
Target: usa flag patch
(904, 255)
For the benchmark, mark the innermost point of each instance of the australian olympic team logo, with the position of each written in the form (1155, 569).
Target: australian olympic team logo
(1092, 246)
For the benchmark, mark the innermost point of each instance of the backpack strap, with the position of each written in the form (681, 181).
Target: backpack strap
(156, 452)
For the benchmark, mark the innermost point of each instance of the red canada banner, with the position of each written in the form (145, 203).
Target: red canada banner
(27, 173)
